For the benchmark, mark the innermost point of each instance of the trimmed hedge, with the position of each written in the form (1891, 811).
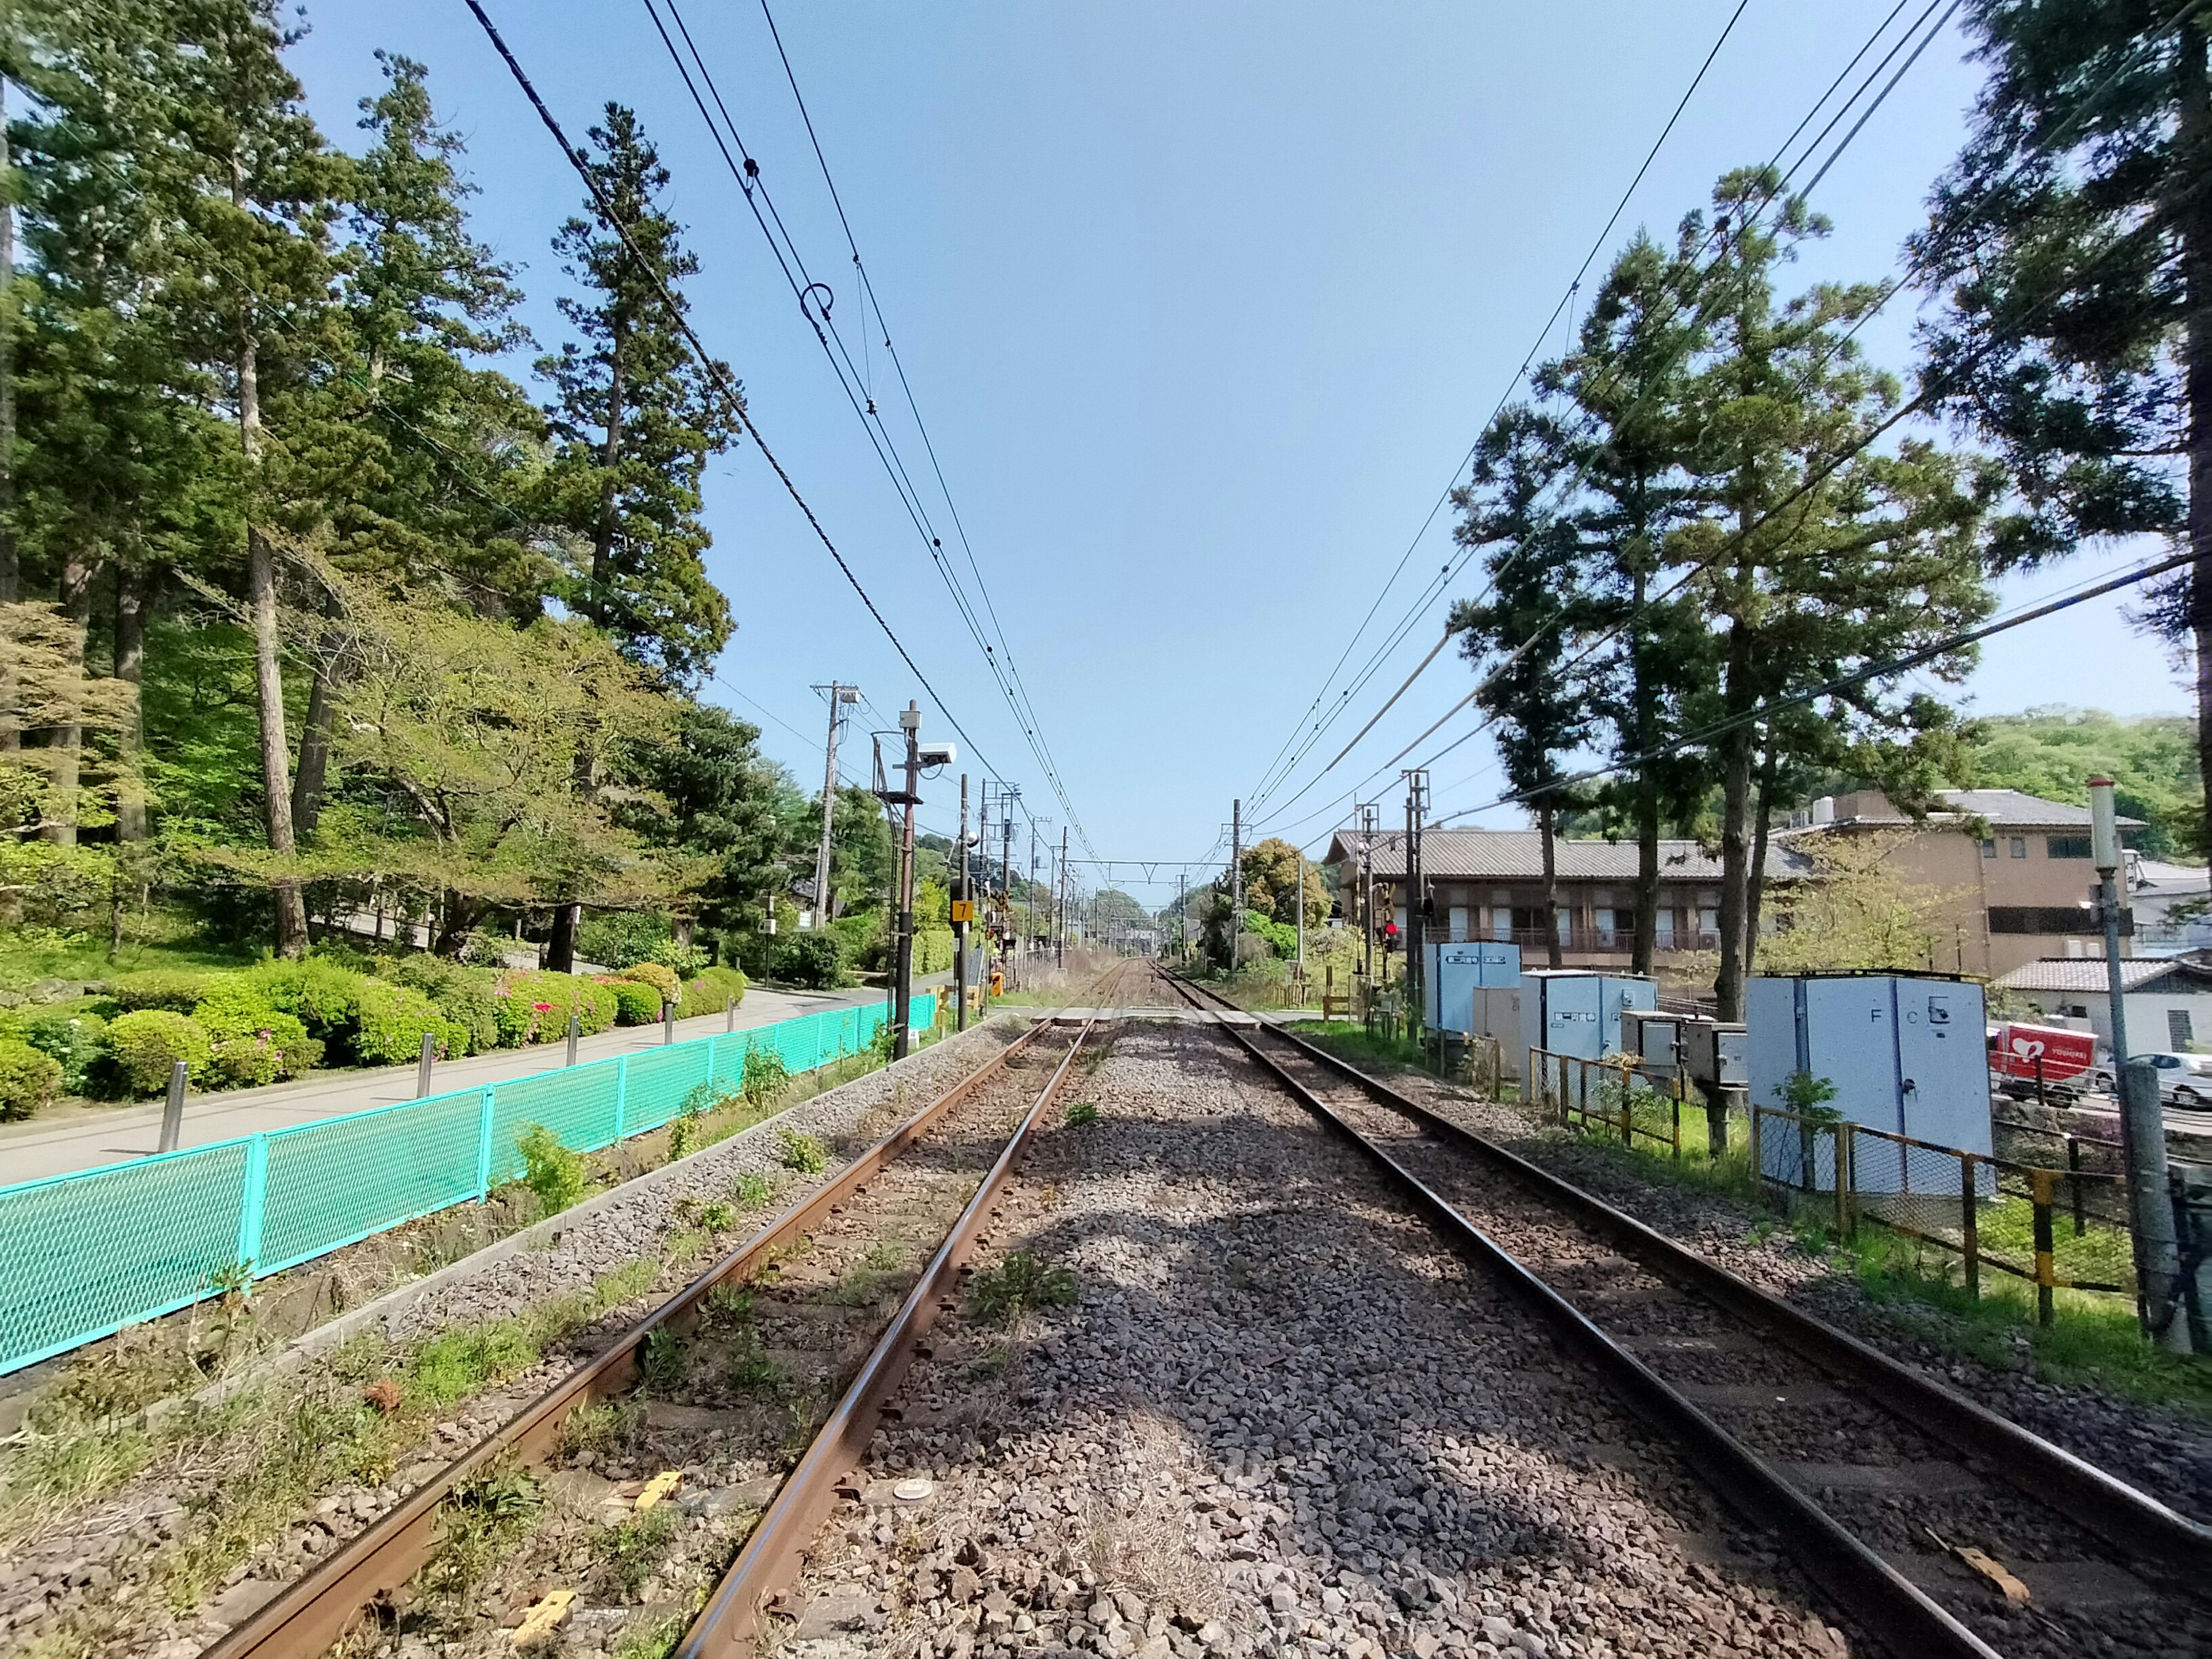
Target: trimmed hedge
(29, 1079)
(636, 1002)
(394, 1020)
(322, 995)
(713, 987)
(73, 1033)
(814, 962)
(467, 996)
(663, 979)
(173, 988)
(533, 1006)
(251, 1042)
(145, 1042)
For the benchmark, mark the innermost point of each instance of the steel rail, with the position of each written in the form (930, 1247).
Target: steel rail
(730, 1624)
(1900, 1615)
(311, 1614)
(2131, 1521)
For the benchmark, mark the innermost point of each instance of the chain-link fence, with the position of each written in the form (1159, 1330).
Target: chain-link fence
(85, 1254)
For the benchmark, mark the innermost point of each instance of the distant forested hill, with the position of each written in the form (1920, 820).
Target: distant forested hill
(2054, 752)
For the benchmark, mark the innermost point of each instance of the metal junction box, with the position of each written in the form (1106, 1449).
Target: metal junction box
(1905, 1053)
(1457, 971)
(1568, 1011)
(1655, 1040)
(1713, 1053)
(1498, 1014)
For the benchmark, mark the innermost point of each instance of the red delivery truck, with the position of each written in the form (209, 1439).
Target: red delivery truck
(2015, 1049)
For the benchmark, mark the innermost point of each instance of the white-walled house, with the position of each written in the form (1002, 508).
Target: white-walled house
(2167, 1000)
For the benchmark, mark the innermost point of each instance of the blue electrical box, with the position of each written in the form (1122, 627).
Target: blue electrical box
(1905, 1053)
(1455, 972)
(1577, 1010)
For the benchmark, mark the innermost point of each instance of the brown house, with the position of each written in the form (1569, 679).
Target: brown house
(1489, 884)
(2018, 867)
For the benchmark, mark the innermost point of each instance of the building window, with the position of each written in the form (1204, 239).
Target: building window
(2053, 920)
(1663, 923)
(2020, 847)
(1563, 921)
(1601, 916)
(1458, 933)
(2178, 1035)
(2066, 847)
(1989, 847)
(1709, 915)
(1501, 923)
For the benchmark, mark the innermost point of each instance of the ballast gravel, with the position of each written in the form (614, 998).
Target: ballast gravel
(1280, 1418)
(78, 1574)
(2166, 1451)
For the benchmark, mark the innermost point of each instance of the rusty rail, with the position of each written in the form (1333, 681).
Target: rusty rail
(312, 1613)
(730, 1625)
(1902, 1617)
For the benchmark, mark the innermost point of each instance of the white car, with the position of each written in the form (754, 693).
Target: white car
(2183, 1080)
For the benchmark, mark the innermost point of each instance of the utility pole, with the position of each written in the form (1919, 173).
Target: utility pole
(962, 908)
(1181, 877)
(910, 726)
(2142, 1111)
(1061, 960)
(1235, 881)
(1367, 891)
(1417, 789)
(839, 697)
(1300, 903)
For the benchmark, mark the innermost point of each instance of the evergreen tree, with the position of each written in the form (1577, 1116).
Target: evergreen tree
(1810, 569)
(1534, 604)
(708, 799)
(2074, 235)
(634, 417)
(1628, 441)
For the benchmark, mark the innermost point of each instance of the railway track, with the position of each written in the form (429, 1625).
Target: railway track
(1939, 1527)
(755, 1384)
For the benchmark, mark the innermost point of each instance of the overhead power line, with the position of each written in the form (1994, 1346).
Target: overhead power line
(815, 301)
(716, 369)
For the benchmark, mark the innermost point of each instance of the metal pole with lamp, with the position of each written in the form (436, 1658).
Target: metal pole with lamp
(2143, 1114)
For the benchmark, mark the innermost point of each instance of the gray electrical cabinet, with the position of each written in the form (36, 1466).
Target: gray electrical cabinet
(1574, 1010)
(1655, 1040)
(1498, 1014)
(1457, 971)
(1907, 1054)
(1713, 1053)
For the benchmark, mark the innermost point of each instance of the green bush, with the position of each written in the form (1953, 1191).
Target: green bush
(636, 1003)
(814, 962)
(252, 1044)
(763, 1076)
(713, 986)
(144, 1043)
(933, 950)
(173, 988)
(549, 1169)
(393, 1019)
(467, 996)
(322, 995)
(534, 1005)
(29, 1079)
(663, 978)
(72, 1034)
(801, 1152)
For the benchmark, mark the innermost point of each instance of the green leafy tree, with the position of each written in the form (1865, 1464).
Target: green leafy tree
(2073, 237)
(2054, 752)
(709, 797)
(1271, 884)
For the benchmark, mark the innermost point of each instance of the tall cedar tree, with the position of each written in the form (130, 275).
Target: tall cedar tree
(2074, 235)
(1628, 439)
(712, 804)
(635, 417)
(445, 448)
(1531, 607)
(1811, 571)
(255, 303)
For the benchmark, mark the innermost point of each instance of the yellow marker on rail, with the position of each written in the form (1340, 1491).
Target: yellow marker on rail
(544, 1618)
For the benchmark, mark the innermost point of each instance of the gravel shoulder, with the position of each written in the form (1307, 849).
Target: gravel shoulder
(103, 1577)
(1280, 1418)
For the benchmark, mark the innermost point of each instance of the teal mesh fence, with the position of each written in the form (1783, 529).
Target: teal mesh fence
(84, 1254)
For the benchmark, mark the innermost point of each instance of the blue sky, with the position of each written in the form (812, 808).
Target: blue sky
(1202, 304)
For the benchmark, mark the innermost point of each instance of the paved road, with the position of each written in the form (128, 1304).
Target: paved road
(83, 1138)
